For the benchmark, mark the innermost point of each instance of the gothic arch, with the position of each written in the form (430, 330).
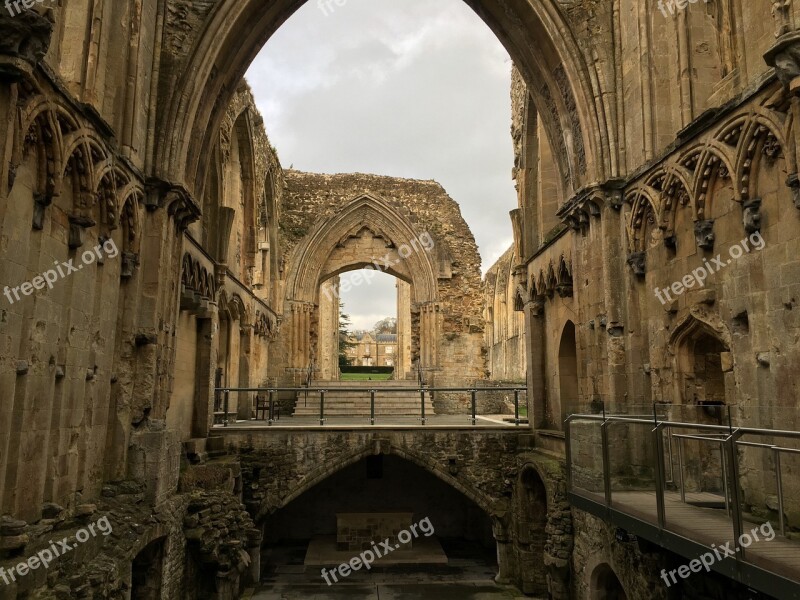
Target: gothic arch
(309, 258)
(565, 89)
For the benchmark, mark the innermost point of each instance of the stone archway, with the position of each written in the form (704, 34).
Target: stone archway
(368, 232)
(605, 585)
(536, 34)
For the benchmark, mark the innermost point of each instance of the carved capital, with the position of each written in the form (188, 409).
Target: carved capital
(24, 39)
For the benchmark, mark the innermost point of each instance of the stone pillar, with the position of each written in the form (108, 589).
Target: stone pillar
(329, 329)
(403, 358)
(429, 335)
(505, 549)
(535, 351)
(614, 293)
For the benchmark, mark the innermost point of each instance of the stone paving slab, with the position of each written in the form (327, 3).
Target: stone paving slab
(409, 591)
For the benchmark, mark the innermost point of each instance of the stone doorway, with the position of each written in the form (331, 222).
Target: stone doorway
(147, 572)
(606, 584)
(567, 375)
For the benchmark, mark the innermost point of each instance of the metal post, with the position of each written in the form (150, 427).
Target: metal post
(724, 477)
(516, 408)
(606, 462)
(680, 470)
(225, 408)
(474, 406)
(322, 408)
(736, 507)
(779, 481)
(422, 400)
(658, 447)
(372, 407)
(271, 408)
(568, 452)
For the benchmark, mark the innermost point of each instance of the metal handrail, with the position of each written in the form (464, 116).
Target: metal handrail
(729, 439)
(422, 390)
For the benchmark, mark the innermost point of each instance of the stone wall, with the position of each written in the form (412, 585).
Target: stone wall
(505, 325)
(419, 229)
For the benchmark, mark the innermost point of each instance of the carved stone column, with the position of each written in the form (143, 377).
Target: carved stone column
(505, 549)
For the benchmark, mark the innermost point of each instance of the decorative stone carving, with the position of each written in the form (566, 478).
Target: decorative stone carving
(24, 40)
(638, 263)
(780, 12)
(130, 260)
(704, 234)
(784, 56)
(752, 215)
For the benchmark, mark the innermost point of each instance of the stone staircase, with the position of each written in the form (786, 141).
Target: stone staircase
(357, 404)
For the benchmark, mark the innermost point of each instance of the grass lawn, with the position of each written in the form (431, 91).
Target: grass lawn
(365, 377)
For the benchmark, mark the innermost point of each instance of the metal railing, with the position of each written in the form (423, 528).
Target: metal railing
(372, 391)
(662, 436)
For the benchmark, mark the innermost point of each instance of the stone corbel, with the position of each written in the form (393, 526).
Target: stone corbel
(78, 224)
(704, 234)
(41, 202)
(24, 40)
(752, 215)
(130, 260)
(638, 263)
(794, 184)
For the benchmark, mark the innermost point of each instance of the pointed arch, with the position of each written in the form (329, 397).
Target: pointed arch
(309, 258)
(566, 89)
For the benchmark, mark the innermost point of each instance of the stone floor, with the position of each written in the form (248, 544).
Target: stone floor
(467, 576)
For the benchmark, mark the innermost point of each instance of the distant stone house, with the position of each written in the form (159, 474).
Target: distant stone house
(373, 350)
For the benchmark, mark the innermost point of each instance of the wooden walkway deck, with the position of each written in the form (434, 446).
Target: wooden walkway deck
(709, 527)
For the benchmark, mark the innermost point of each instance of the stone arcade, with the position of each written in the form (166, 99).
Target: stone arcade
(644, 145)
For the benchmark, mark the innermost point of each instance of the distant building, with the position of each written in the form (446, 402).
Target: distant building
(373, 350)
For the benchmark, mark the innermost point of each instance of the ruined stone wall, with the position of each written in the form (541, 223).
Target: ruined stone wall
(455, 323)
(505, 325)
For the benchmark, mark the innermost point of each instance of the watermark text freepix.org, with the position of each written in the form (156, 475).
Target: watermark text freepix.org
(62, 269)
(718, 554)
(700, 274)
(672, 5)
(423, 242)
(13, 6)
(367, 557)
(59, 548)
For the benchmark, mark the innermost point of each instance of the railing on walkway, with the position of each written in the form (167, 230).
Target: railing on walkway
(222, 395)
(617, 461)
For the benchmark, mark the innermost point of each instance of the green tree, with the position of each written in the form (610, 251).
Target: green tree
(387, 325)
(344, 337)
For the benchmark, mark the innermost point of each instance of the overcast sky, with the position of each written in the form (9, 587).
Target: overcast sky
(418, 89)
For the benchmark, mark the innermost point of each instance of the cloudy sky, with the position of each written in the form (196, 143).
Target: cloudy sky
(416, 89)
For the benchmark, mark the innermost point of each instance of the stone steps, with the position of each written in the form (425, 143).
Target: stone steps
(347, 403)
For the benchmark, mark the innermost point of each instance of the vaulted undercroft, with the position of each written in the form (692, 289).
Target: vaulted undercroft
(648, 144)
